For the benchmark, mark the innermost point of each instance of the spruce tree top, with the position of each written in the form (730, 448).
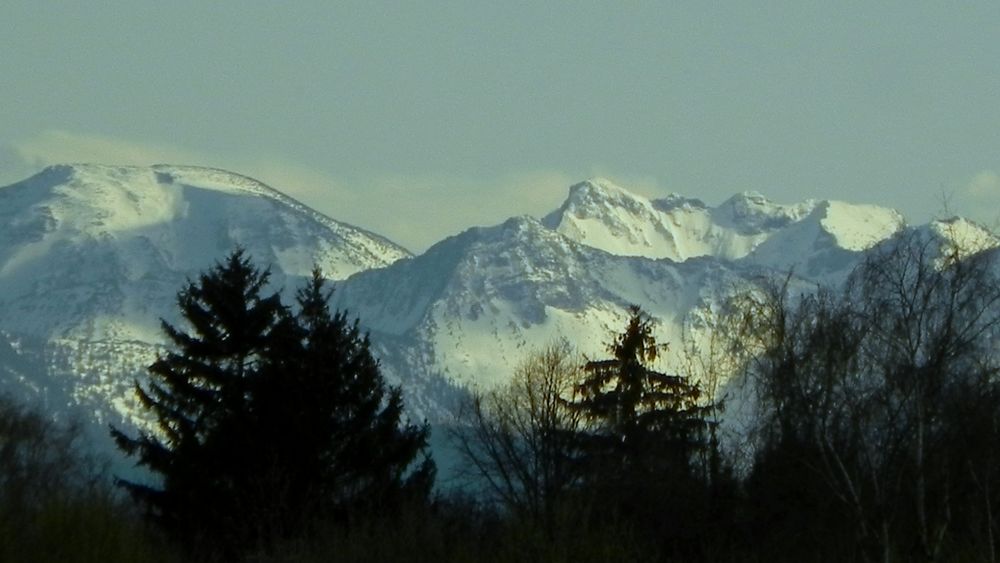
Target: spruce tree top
(631, 403)
(268, 419)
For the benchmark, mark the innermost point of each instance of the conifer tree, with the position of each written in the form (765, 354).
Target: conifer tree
(267, 420)
(197, 393)
(649, 446)
(334, 422)
(634, 408)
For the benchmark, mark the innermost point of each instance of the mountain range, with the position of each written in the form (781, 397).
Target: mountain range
(92, 257)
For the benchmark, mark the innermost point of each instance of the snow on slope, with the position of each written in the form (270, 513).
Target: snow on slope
(94, 252)
(471, 307)
(960, 233)
(826, 244)
(92, 257)
(602, 215)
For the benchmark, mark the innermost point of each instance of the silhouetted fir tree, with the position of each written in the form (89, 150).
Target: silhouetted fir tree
(267, 420)
(198, 392)
(635, 409)
(649, 438)
(335, 422)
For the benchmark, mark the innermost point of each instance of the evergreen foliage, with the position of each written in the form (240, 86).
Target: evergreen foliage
(647, 440)
(268, 420)
(637, 412)
(876, 409)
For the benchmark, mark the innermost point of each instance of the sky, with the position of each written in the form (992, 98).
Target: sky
(419, 119)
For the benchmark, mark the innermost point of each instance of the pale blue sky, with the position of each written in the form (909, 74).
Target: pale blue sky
(416, 119)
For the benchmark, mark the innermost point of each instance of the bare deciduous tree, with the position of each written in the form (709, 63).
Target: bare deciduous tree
(871, 385)
(518, 439)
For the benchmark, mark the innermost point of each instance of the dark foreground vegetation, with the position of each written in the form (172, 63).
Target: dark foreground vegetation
(872, 433)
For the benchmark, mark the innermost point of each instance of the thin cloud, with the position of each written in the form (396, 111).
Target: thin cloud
(60, 147)
(424, 210)
(54, 146)
(415, 211)
(647, 186)
(985, 185)
(979, 198)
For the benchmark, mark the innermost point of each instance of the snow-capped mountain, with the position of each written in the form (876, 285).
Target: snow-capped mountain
(811, 236)
(472, 306)
(99, 252)
(92, 257)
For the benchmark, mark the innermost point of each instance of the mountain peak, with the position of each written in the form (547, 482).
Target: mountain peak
(597, 195)
(962, 234)
(135, 178)
(91, 257)
(602, 215)
(751, 212)
(596, 184)
(677, 201)
(183, 216)
(748, 197)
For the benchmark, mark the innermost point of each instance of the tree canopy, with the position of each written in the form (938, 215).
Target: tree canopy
(268, 419)
(635, 410)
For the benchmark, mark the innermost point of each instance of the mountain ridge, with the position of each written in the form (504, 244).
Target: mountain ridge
(82, 288)
(92, 257)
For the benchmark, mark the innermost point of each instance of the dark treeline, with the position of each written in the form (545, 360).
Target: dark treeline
(873, 435)
(877, 436)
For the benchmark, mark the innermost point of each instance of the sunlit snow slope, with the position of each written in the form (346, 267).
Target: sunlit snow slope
(603, 215)
(92, 257)
(472, 306)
